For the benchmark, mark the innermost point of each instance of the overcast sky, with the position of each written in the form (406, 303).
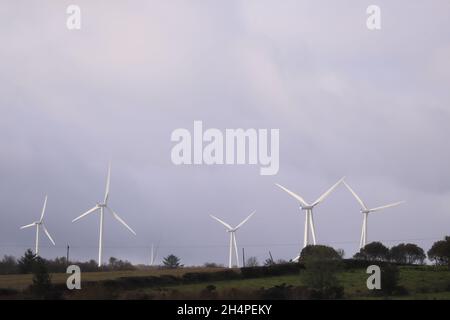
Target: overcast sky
(373, 106)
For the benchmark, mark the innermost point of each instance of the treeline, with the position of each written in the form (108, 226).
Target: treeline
(26, 264)
(408, 253)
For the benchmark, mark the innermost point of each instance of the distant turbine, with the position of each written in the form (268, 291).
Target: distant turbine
(232, 231)
(102, 207)
(153, 253)
(38, 224)
(365, 211)
(308, 208)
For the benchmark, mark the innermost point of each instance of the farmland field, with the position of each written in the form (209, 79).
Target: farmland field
(419, 282)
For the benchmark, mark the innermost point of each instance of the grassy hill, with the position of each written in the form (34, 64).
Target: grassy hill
(417, 282)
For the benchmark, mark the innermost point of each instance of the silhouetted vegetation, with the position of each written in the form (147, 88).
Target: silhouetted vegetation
(171, 261)
(9, 265)
(42, 283)
(25, 264)
(252, 262)
(407, 254)
(440, 252)
(374, 251)
(322, 263)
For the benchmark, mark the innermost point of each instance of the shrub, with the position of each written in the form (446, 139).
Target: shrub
(321, 266)
(389, 278)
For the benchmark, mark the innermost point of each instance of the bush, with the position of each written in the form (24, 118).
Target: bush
(193, 277)
(42, 287)
(272, 270)
(209, 292)
(329, 293)
(281, 292)
(389, 278)
(321, 266)
(350, 264)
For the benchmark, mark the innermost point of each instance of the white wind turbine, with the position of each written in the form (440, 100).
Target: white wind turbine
(308, 208)
(365, 211)
(38, 224)
(232, 232)
(153, 253)
(102, 206)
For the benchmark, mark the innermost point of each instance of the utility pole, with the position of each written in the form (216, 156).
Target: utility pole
(67, 255)
(243, 257)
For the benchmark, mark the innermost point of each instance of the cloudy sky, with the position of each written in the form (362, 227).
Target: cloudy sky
(373, 106)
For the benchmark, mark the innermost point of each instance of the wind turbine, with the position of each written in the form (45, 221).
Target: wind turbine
(365, 211)
(38, 224)
(232, 232)
(308, 208)
(101, 207)
(153, 253)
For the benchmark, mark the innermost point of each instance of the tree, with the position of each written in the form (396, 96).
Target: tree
(319, 252)
(117, 264)
(8, 265)
(26, 262)
(440, 252)
(407, 253)
(374, 251)
(42, 284)
(321, 266)
(171, 261)
(252, 262)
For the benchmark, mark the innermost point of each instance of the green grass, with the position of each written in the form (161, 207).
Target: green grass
(421, 282)
(21, 281)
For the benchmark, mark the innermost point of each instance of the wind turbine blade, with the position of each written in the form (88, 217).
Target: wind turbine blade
(43, 209)
(296, 196)
(386, 206)
(86, 213)
(28, 225)
(244, 221)
(327, 193)
(48, 234)
(222, 222)
(108, 180)
(363, 205)
(115, 215)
